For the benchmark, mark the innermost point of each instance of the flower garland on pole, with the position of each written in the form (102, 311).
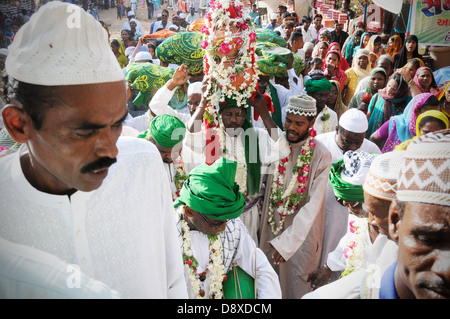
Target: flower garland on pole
(287, 202)
(229, 64)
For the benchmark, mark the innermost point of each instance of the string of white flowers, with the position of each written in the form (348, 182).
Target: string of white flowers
(215, 268)
(326, 121)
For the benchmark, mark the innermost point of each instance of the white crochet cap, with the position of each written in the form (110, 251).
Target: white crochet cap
(62, 44)
(354, 121)
(381, 180)
(302, 104)
(195, 88)
(143, 56)
(273, 16)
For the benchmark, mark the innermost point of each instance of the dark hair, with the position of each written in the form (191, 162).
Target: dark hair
(316, 61)
(318, 15)
(358, 33)
(400, 59)
(428, 119)
(296, 35)
(115, 42)
(285, 15)
(377, 39)
(290, 24)
(415, 62)
(306, 18)
(432, 100)
(36, 100)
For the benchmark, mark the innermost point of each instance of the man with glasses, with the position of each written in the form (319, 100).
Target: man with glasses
(349, 135)
(214, 240)
(164, 23)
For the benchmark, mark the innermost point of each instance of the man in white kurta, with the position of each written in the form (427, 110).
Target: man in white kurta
(115, 234)
(338, 142)
(271, 149)
(211, 192)
(76, 190)
(299, 240)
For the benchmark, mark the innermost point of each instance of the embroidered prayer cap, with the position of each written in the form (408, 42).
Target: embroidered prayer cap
(212, 190)
(353, 170)
(356, 167)
(354, 120)
(167, 130)
(381, 180)
(317, 85)
(302, 104)
(195, 88)
(425, 171)
(62, 44)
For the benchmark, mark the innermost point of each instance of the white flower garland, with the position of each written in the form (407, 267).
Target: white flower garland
(355, 250)
(286, 203)
(241, 170)
(326, 122)
(215, 268)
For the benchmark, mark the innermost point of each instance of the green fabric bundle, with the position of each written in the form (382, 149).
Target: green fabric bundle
(212, 190)
(272, 65)
(267, 35)
(320, 85)
(342, 189)
(147, 78)
(183, 48)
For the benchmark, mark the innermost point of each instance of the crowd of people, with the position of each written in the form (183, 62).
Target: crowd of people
(331, 181)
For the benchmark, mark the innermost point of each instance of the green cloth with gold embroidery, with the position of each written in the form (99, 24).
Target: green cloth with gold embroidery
(267, 35)
(183, 48)
(273, 61)
(147, 78)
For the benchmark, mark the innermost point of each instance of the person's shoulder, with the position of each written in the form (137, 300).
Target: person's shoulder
(371, 147)
(129, 146)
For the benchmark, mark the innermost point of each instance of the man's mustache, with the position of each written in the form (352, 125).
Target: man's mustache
(101, 163)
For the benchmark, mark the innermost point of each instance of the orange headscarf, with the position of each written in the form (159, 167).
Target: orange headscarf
(397, 46)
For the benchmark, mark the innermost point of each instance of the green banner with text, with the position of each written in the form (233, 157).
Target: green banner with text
(430, 22)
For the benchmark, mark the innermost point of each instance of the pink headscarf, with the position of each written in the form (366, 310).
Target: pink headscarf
(433, 87)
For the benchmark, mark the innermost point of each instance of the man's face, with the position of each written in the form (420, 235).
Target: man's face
(297, 127)
(168, 154)
(423, 236)
(317, 22)
(193, 101)
(203, 223)
(349, 141)
(379, 211)
(164, 17)
(77, 140)
(339, 26)
(386, 65)
(321, 99)
(287, 28)
(232, 118)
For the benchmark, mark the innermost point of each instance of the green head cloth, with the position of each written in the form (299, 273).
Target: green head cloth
(212, 190)
(167, 130)
(348, 175)
(317, 85)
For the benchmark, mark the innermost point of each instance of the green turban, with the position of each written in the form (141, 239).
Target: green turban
(343, 189)
(317, 85)
(167, 130)
(212, 191)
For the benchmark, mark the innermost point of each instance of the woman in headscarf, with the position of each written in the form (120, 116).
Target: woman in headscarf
(402, 127)
(119, 52)
(331, 68)
(343, 64)
(127, 39)
(334, 101)
(365, 37)
(388, 102)
(348, 47)
(377, 81)
(444, 99)
(394, 45)
(324, 35)
(409, 50)
(320, 50)
(428, 121)
(424, 80)
(374, 45)
(359, 70)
